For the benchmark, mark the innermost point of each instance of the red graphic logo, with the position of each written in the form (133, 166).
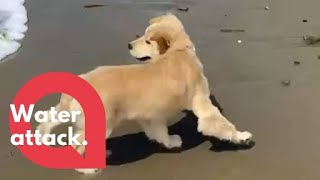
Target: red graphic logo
(64, 157)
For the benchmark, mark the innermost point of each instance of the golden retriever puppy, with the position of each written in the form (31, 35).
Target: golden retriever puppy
(151, 93)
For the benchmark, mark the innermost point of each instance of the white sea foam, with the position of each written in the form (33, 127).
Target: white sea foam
(13, 19)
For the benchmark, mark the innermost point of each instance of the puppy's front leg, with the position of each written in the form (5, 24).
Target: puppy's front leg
(158, 131)
(211, 122)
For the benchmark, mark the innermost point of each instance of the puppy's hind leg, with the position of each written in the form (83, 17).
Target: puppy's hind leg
(64, 104)
(81, 148)
(47, 127)
(158, 131)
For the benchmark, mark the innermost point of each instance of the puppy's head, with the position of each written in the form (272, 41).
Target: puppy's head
(164, 33)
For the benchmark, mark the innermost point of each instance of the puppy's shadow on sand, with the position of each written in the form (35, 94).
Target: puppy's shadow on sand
(135, 147)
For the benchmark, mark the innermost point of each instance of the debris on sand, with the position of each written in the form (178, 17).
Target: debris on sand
(239, 41)
(304, 20)
(286, 83)
(311, 40)
(232, 30)
(94, 5)
(296, 63)
(267, 8)
(10, 155)
(183, 9)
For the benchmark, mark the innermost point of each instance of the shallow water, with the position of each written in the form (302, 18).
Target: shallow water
(13, 19)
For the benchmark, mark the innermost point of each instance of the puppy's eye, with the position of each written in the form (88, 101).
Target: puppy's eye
(148, 42)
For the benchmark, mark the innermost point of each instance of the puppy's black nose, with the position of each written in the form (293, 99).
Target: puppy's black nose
(129, 46)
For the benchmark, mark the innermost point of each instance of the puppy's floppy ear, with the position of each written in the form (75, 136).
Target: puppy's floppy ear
(163, 35)
(163, 44)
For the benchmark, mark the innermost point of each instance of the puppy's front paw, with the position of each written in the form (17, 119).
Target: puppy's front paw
(87, 171)
(174, 142)
(243, 138)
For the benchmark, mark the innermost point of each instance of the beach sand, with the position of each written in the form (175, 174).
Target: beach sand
(246, 79)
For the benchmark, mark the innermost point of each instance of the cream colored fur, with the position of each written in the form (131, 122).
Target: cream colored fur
(153, 92)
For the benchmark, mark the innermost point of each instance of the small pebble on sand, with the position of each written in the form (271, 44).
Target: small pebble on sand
(183, 8)
(94, 5)
(296, 63)
(231, 30)
(10, 155)
(239, 41)
(266, 8)
(311, 40)
(286, 82)
(304, 20)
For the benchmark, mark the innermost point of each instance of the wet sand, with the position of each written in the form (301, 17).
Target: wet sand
(245, 78)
